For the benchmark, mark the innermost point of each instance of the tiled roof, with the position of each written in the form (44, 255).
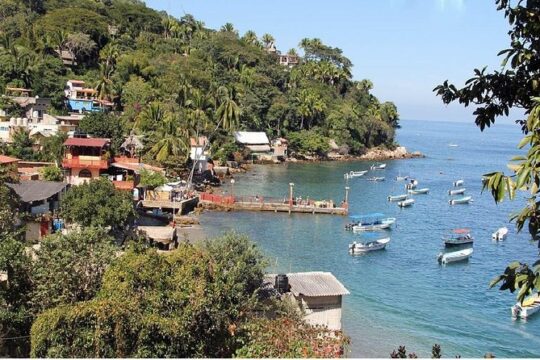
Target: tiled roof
(90, 142)
(7, 159)
(316, 283)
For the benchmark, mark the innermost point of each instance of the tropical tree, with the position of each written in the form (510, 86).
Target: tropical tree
(228, 112)
(52, 173)
(228, 27)
(267, 39)
(250, 37)
(170, 139)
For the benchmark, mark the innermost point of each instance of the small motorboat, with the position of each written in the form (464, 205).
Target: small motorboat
(371, 222)
(454, 256)
(458, 183)
(411, 185)
(353, 174)
(402, 178)
(529, 306)
(461, 200)
(402, 197)
(500, 234)
(418, 191)
(378, 166)
(376, 178)
(458, 237)
(363, 247)
(453, 145)
(457, 191)
(405, 203)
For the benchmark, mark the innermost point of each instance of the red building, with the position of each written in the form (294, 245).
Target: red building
(85, 159)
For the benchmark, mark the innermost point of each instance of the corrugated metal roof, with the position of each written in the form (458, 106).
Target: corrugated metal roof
(250, 137)
(90, 142)
(33, 190)
(315, 283)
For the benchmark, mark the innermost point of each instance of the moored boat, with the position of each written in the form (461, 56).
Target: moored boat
(366, 246)
(378, 166)
(456, 191)
(418, 191)
(405, 203)
(461, 200)
(500, 234)
(401, 197)
(454, 256)
(376, 178)
(458, 183)
(411, 185)
(371, 222)
(529, 307)
(353, 174)
(458, 237)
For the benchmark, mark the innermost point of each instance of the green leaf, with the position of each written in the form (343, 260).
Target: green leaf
(526, 140)
(496, 280)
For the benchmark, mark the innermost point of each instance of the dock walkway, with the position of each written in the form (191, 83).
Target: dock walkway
(266, 204)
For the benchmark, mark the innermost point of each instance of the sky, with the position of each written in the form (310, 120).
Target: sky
(405, 47)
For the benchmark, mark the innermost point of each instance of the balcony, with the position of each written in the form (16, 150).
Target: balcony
(79, 162)
(124, 185)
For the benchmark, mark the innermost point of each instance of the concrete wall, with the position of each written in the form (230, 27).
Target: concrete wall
(74, 179)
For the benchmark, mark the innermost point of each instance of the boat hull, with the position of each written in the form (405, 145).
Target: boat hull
(356, 249)
(397, 198)
(465, 200)
(455, 256)
(456, 192)
(500, 234)
(524, 312)
(406, 203)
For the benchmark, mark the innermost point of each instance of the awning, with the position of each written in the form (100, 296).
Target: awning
(259, 148)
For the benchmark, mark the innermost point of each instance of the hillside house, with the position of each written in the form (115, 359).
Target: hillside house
(82, 99)
(257, 143)
(318, 295)
(34, 106)
(289, 60)
(280, 148)
(11, 164)
(199, 152)
(85, 159)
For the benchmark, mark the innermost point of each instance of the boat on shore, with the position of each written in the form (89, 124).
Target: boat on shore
(418, 191)
(370, 222)
(461, 200)
(456, 191)
(454, 256)
(405, 203)
(500, 234)
(376, 178)
(401, 197)
(458, 183)
(378, 166)
(363, 247)
(458, 237)
(529, 307)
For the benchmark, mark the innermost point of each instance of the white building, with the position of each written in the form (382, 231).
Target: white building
(256, 142)
(319, 295)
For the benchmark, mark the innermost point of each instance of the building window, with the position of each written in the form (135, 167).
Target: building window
(85, 173)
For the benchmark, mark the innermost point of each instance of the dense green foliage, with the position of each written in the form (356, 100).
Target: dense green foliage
(98, 204)
(69, 268)
(103, 126)
(173, 78)
(151, 179)
(191, 302)
(52, 173)
(515, 85)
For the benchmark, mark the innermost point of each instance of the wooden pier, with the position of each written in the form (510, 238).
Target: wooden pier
(231, 203)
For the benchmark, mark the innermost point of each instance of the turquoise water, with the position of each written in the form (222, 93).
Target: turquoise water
(401, 296)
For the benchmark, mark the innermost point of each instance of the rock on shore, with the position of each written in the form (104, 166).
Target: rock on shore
(377, 154)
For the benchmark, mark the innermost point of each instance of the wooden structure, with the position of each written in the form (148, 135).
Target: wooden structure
(182, 207)
(259, 203)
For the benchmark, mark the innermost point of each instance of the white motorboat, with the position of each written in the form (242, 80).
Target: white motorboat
(455, 256)
(363, 247)
(353, 174)
(529, 307)
(378, 166)
(372, 222)
(457, 191)
(418, 191)
(405, 203)
(500, 234)
(453, 145)
(401, 197)
(461, 200)
(458, 183)
(411, 185)
(376, 178)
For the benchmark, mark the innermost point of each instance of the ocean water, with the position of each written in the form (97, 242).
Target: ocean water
(402, 296)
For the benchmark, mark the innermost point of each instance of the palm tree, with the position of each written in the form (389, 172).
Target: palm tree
(292, 52)
(310, 106)
(171, 140)
(109, 54)
(247, 75)
(228, 112)
(267, 39)
(228, 27)
(104, 85)
(150, 118)
(200, 107)
(250, 37)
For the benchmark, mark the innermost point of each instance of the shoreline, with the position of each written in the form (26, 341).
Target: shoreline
(374, 154)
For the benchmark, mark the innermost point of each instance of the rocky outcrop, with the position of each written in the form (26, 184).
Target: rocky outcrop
(378, 154)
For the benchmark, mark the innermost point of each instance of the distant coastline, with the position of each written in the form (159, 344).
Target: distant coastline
(374, 154)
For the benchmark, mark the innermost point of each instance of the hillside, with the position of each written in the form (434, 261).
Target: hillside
(173, 78)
